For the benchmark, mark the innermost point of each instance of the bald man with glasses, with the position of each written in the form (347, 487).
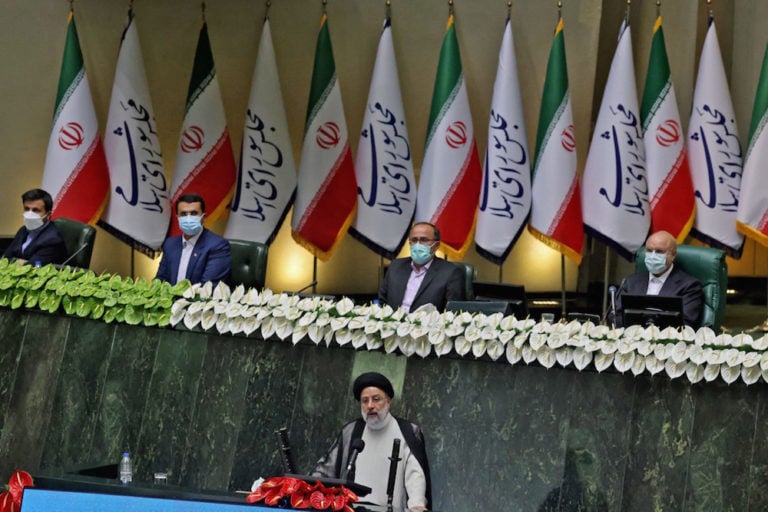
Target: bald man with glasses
(421, 278)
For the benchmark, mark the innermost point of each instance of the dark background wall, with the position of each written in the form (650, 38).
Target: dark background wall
(78, 392)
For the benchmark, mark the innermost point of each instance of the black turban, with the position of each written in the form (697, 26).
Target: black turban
(374, 379)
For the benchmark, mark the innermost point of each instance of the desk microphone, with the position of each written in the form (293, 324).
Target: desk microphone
(393, 460)
(285, 450)
(357, 446)
(78, 251)
(612, 291)
(310, 285)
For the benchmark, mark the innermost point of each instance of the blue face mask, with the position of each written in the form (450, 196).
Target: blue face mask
(191, 224)
(656, 262)
(421, 254)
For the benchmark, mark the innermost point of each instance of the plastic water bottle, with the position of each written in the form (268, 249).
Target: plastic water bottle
(126, 469)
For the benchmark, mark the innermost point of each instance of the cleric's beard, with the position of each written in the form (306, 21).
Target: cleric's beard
(379, 421)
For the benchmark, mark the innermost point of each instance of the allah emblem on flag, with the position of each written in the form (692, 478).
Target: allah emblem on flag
(456, 135)
(328, 135)
(192, 139)
(71, 136)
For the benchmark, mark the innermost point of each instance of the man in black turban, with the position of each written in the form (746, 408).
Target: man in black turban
(378, 429)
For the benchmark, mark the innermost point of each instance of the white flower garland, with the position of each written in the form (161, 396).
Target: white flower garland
(697, 355)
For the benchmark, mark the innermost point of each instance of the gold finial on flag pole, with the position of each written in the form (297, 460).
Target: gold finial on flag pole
(450, 7)
(559, 9)
(325, 6)
(202, 6)
(709, 8)
(268, 4)
(658, 8)
(388, 9)
(626, 15)
(71, 5)
(509, 8)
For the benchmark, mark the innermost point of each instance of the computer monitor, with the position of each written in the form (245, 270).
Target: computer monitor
(487, 307)
(514, 294)
(659, 310)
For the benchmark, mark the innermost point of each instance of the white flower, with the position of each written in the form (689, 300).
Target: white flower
(178, 315)
(462, 346)
(293, 313)
(653, 364)
(529, 354)
(520, 339)
(603, 361)
(478, 348)
(626, 346)
(374, 343)
(623, 361)
(419, 331)
(252, 297)
(316, 333)
(236, 325)
(191, 292)
(505, 336)
(408, 346)
(546, 357)
(423, 347)
(205, 291)
(634, 332)
(764, 362)
(513, 354)
(208, 319)
(250, 324)
(299, 332)
(592, 345)
(508, 323)
(694, 372)
(673, 369)
(608, 347)
(679, 352)
(651, 333)
(283, 328)
(323, 319)
(706, 335)
(268, 327)
(222, 324)
(494, 349)
(234, 309)
(696, 354)
(557, 340)
(598, 332)
(343, 336)
(338, 323)
(372, 325)
(670, 333)
(436, 336)
(711, 372)
(404, 329)
(472, 333)
(688, 334)
(564, 356)
(454, 329)
(238, 293)
(445, 347)
(716, 357)
(751, 359)
(222, 291)
(386, 330)
(192, 318)
(383, 311)
(730, 373)
(219, 307)
(638, 365)
(733, 357)
(359, 339)
(581, 358)
(741, 340)
(751, 374)
(761, 343)
(537, 340)
(308, 319)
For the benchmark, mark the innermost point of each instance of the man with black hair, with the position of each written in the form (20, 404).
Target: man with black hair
(422, 279)
(378, 429)
(38, 241)
(197, 254)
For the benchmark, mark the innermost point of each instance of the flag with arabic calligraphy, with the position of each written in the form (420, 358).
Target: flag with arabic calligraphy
(138, 211)
(449, 184)
(326, 194)
(556, 217)
(205, 163)
(505, 195)
(714, 152)
(752, 219)
(386, 187)
(670, 188)
(266, 182)
(614, 188)
(75, 172)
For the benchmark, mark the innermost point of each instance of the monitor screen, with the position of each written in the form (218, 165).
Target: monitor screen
(514, 294)
(659, 310)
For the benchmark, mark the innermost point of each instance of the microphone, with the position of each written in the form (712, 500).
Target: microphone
(310, 285)
(285, 450)
(393, 460)
(357, 446)
(612, 291)
(72, 256)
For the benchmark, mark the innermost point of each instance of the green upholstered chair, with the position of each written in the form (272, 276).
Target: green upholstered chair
(708, 266)
(77, 237)
(249, 263)
(470, 275)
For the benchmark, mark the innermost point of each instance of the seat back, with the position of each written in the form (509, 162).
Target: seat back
(709, 267)
(470, 274)
(77, 237)
(249, 263)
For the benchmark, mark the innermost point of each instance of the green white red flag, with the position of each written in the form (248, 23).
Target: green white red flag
(75, 172)
(205, 163)
(752, 219)
(670, 188)
(449, 184)
(326, 193)
(556, 217)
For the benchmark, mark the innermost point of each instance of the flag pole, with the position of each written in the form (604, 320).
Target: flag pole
(605, 281)
(133, 261)
(562, 286)
(314, 274)
(501, 273)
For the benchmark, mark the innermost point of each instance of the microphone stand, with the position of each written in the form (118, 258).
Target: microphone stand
(393, 460)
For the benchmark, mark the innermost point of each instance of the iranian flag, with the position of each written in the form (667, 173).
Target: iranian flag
(138, 211)
(614, 188)
(266, 181)
(556, 217)
(670, 188)
(75, 172)
(327, 194)
(205, 163)
(714, 152)
(505, 200)
(752, 219)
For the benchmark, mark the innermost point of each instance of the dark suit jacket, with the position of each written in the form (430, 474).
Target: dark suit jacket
(678, 283)
(47, 246)
(211, 259)
(444, 281)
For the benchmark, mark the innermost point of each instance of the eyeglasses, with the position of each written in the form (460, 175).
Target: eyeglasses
(420, 240)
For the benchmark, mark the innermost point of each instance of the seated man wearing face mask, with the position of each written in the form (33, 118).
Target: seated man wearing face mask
(38, 241)
(198, 254)
(422, 278)
(663, 278)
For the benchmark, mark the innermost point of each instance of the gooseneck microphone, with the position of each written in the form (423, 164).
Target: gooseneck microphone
(612, 291)
(357, 446)
(393, 460)
(285, 450)
(72, 256)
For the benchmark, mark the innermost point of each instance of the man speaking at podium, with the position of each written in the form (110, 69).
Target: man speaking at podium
(378, 430)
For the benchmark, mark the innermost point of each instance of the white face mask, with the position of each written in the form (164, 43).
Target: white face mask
(379, 421)
(33, 221)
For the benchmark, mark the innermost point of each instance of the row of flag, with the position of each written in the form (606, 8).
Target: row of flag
(642, 173)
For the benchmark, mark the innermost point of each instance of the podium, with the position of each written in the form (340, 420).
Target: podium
(83, 494)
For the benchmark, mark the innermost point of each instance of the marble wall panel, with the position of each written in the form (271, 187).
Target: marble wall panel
(12, 326)
(758, 491)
